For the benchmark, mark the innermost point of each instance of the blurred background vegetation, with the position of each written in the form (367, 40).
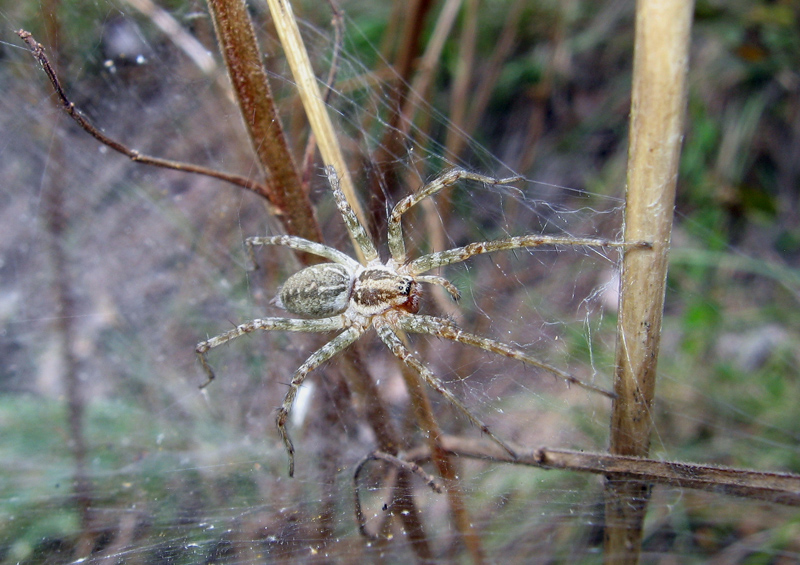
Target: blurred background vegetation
(156, 258)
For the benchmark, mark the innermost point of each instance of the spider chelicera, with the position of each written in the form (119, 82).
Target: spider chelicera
(349, 297)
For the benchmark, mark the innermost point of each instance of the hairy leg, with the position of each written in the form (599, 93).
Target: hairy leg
(446, 329)
(401, 352)
(334, 323)
(333, 347)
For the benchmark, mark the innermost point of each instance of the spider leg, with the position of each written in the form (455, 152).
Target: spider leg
(401, 352)
(459, 254)
(446, 329)
(334, 346)
(282, 324)
(448, 178)
(301, 244)
(357, 231)
(441, 281)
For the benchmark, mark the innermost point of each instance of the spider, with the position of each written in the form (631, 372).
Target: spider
(349, 297)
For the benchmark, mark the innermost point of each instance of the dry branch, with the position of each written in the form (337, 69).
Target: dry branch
(780, 488)
(243, 59)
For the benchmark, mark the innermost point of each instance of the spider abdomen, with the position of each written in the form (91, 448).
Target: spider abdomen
(318, 291)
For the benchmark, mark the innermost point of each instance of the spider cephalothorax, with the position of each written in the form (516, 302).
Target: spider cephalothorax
(378, 288)
(349, 297)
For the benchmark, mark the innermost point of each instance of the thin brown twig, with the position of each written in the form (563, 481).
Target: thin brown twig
(37, 50)
(780, 488)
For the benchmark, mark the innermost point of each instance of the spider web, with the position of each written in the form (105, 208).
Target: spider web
(156, 262)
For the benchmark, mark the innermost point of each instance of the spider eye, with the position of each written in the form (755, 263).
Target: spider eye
(406, 286)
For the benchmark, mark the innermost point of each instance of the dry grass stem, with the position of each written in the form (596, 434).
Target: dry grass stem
(780, 488)
(656, 130)
(459, 100)
(313, 102)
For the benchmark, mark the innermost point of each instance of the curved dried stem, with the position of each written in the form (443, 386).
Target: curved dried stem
(38, 52)
(401, 464)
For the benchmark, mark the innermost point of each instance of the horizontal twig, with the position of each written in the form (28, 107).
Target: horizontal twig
(781, 488)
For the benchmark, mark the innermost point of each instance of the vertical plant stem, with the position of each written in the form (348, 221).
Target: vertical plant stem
(57, 226)
(242, 56)
(443, 463)
(660, 65)
(460, 95)
(384, 182)
(313, 103)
